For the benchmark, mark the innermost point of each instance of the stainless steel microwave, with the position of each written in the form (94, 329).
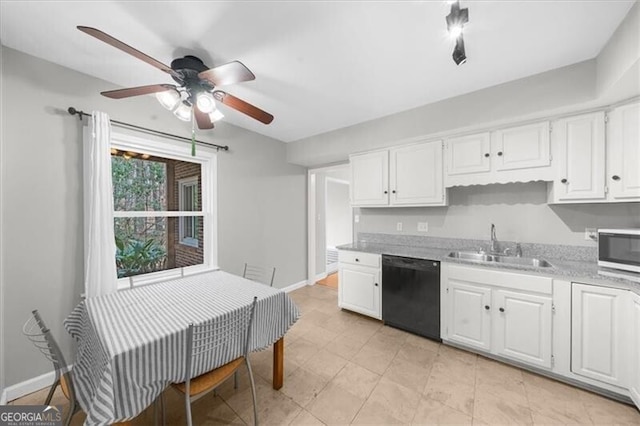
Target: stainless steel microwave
(619, 249)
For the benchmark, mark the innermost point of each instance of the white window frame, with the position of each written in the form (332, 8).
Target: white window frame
(177, 150)
(182, 184)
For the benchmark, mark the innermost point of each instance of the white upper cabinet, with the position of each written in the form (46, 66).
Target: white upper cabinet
(522, 147)
(469, 154)
(579, 150)
(623, 153)
(515, 154)
(405, 176)
(416, 174)
(370, 179)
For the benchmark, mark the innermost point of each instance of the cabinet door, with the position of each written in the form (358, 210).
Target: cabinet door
(597, 334)
(580, 158)
(522, 327)
(416, 174)
(634, 387)
(469, 315)
(370, 179)
(522, 147)
(469, 154)
(359, 290)
(623, 152)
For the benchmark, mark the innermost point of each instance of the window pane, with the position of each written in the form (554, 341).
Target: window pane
(146, 183)
(153, 244)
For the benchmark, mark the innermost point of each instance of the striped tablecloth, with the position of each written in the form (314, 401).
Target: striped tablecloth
(131, 343)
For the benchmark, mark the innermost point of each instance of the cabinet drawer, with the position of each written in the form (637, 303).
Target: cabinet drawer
(500, 278)
(359, 258)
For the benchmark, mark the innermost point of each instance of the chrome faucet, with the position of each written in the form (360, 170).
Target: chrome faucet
(518, 250)
(494, 241)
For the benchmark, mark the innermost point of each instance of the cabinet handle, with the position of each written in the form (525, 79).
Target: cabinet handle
(487, 307)
(563, 181)
(393, 192)
(386, 192)
(357, 260)
(486, 155)
(501, 309)
(615, 177)
(499, 153)
(376, 284)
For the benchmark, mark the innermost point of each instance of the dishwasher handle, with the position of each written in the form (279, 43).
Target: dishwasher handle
(409, 262)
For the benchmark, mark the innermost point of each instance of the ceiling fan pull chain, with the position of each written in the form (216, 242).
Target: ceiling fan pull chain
(193, 133)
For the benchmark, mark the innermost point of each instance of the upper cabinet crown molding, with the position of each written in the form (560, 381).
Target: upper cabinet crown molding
(515, 154)
(404, 176)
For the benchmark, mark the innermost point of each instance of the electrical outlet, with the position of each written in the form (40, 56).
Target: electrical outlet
(423, 226)
(356, 218)
(591, 234)
(399, 226)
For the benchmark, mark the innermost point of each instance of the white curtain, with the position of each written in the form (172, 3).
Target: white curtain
(100, 276)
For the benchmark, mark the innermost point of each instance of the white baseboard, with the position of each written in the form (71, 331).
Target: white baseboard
(3, 397)
(321, 276)
(294, 286)
(332, 267)
(28, 386)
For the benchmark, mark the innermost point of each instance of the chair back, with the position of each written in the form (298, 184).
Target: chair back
(259, 274)
(212, 339)
(39, 334)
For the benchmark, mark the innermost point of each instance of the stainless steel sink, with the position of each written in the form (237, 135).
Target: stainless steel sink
(483, 257)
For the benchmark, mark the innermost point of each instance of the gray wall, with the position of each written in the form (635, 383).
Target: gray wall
(338, 214)
(519, 211)
(261, 201)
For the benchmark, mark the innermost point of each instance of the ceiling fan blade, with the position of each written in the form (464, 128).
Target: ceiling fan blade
(137, 91)
(243, 107)
(233, 72)
(203, 120)
(128, 49)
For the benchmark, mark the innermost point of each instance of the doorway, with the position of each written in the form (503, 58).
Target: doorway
(330, 221)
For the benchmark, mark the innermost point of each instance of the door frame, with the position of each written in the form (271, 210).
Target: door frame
(312, 213)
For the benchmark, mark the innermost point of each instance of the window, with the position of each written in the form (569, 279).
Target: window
(188, 200)
(164, 206)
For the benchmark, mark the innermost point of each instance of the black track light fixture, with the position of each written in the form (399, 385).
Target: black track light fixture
(455, 23)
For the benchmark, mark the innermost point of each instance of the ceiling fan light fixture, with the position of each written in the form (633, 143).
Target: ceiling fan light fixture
(216, 115)
(459, 55)
(206, 103)
(183, 112)
(168, 99)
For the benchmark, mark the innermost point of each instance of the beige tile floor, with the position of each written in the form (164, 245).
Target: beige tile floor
(343, 368)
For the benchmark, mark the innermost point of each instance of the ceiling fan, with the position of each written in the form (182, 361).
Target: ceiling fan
(195, 92)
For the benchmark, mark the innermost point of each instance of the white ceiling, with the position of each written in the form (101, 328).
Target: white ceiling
(320, 66)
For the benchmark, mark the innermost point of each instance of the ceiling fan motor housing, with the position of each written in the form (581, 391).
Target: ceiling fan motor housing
(188, 68)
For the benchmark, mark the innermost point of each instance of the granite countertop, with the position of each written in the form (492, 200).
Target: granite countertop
(573, 270)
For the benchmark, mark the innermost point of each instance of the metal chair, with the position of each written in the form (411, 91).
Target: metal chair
(259, 274)
(37, 332)
(209, 341)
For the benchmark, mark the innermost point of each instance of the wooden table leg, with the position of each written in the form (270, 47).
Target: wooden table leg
(278, 364)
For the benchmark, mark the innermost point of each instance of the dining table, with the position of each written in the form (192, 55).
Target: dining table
(131, 343)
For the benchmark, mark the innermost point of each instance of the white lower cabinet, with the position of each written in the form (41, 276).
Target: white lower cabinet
(504, 313)
(598, 330)
(469, 314)
(359, 283)
(634, 385)
(522, 327)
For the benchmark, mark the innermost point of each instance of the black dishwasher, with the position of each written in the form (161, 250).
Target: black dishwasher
(411, 295)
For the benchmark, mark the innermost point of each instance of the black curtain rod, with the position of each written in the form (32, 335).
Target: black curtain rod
(80, 114)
